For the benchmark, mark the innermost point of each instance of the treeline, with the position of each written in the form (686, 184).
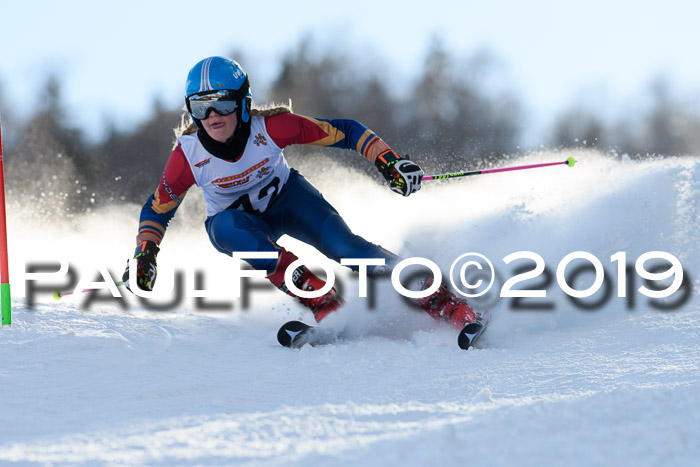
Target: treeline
(449, 117)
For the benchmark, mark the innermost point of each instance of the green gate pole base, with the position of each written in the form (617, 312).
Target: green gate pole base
(5, 304)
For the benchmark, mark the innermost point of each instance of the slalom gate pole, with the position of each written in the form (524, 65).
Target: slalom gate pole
(570, 162)
(5, 299)
(58, 294)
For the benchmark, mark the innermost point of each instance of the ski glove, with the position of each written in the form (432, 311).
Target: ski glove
(404, 176)
(145, 256)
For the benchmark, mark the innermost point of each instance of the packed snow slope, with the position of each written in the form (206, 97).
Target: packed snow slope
(604, 380)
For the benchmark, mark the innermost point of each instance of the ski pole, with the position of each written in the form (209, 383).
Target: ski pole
(58, 294)
(570, 162)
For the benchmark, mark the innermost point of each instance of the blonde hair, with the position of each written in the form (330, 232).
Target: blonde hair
(187, 126)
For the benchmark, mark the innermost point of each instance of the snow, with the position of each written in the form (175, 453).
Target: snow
(617, 383)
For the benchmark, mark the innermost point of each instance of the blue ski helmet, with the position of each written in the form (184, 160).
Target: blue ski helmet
(220, 74)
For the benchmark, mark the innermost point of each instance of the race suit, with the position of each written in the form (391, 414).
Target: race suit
(253, 201)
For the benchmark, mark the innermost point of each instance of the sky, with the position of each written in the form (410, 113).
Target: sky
(114, 59)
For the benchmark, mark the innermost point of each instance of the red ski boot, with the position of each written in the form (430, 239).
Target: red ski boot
(446, 306)
(306, 280)
(320, 306)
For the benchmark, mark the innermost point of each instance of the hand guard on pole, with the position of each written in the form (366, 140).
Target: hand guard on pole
(146, 269)
(404, 176)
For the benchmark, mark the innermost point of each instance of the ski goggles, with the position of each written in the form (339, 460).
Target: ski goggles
(224, 102)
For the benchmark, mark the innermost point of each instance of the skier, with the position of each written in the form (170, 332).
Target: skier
(233, 152)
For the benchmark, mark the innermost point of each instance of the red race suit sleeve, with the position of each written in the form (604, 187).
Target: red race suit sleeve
(161, 206)
(288, 128)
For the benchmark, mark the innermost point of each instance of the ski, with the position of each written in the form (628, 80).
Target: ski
(472, 331)
(295, 334)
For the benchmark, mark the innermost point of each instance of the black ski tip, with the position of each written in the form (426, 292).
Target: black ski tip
(469, 334)
(289, 330)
